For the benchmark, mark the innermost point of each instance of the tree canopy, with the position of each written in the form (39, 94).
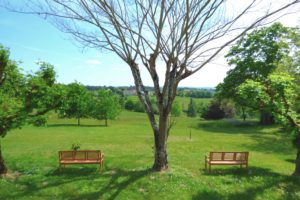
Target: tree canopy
(255, 56)
(277, 94)
(105, 106)
(24, 97)
(76, 103)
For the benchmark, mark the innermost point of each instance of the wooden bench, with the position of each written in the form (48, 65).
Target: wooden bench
(226, 158)
(80, 157)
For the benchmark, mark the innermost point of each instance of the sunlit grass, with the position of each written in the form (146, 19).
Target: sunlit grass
(31, 156)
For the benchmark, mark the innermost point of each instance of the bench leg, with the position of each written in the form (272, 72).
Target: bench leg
(61, 166)
(101, 165)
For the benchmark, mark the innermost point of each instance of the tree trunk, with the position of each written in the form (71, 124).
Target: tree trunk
(297, 168)
(243, 114)
(266, 118)
(160, 141)
(3, 168)
(78, 121)
(106, 122)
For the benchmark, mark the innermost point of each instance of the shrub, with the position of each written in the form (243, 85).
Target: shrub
(214, 111)
(39, 120)
(129, 105)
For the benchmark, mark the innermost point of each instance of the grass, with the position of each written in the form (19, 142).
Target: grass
(31, 156)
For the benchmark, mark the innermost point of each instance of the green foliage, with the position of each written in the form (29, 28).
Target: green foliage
(277, 94)
(39, 120)
(255, 56)
(77, 102)
(42, 94)
(129, 105)
(214, 111)
(195, 93)
(4, 59)
(192, 110)
(154, 106)
(24, 97)
(106, 106)
(75, 146)
(47, 73)
(135, 105)
(176, 109)
(228, 107)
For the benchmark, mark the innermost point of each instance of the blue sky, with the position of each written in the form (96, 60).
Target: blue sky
(31, 38)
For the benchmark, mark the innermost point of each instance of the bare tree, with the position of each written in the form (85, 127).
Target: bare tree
(178, 36)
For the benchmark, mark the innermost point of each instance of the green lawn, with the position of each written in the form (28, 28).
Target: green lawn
(32, 158)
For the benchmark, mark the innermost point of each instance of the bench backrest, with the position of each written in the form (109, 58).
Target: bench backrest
(230, 156)
(80, 155)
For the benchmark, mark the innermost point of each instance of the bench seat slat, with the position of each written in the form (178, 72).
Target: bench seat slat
(79, 161)
(227, 162)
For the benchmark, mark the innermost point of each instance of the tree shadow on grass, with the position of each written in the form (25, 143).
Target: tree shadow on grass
(108, 182)
(281, 144)
(272, 142)
(291, 161)
(288, 185)
(114, 187)
(75, 125)
(231, 126)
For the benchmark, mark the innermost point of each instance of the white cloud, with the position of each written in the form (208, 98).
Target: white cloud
(93, 62)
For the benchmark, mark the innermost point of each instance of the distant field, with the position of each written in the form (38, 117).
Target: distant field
(31, 156)
(184, 101)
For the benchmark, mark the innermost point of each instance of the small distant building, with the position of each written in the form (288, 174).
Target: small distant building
(132, 92)
(129, 92)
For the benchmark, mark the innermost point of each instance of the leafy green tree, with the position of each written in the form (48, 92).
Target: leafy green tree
(277, 94)
(77, 102)
(138, 107)
(129, 105)
(255, 56)
(291, 64)
(42, 94)
(106, 106)
(23, 98)
(192, 109)
(214, 111)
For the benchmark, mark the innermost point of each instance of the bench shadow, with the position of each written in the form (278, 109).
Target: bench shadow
(109, 182)
(288, 184)
(239, 172)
